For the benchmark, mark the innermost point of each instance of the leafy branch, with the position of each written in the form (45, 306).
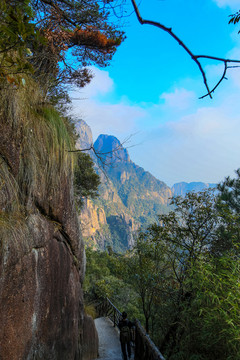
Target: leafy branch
(195, 58)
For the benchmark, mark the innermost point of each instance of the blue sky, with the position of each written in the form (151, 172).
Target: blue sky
(151, 91)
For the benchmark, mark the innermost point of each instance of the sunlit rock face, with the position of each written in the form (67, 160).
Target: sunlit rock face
(85, 139)
(92, 218)
(41, 249)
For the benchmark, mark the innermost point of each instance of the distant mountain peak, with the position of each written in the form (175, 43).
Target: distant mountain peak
(129, 196)
(182, 188)
(110, 149)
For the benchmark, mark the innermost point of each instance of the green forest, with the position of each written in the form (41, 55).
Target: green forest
(182, 277)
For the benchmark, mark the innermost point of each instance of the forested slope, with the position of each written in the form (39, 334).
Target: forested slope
(181, 279)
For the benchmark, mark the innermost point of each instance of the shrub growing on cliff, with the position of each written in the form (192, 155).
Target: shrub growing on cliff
(86, 180)
(43, 137)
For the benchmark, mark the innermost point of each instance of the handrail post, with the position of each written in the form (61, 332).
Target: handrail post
(114, 317)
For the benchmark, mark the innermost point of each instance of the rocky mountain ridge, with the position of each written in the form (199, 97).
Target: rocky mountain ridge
(182, 188)
(129, 197)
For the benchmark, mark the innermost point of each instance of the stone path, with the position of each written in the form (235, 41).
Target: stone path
(109, 344)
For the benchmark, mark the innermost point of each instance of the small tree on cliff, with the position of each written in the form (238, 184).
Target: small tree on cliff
(58, 39)
(86, 180)
(16, 29)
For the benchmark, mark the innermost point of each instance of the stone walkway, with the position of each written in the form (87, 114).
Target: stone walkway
(109, 344)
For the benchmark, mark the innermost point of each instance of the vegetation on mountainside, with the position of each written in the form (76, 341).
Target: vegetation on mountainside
(182, 277)
(143, 194)
(130, 196)
(40, 159)
(40, 242)
(37, 38)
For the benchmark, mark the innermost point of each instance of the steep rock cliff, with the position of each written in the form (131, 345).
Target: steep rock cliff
(104, 221)
(129, 196)
(41, 249)
(142, 195)
(92, 218)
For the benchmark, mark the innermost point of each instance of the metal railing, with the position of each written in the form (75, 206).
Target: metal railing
(106, 308)
(145, 349)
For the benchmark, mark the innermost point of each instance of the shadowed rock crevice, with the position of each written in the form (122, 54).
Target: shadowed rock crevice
(60, 235)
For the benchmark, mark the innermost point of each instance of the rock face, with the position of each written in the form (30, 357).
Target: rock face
(85, 135)
(130, 197)
(40, 293)
(110, 149)
(90, 339)
(92, 218)
(41, 250)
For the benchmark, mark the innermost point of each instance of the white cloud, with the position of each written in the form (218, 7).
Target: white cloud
(203, 146)
(233, 4)
(182, 139)
(205, 123)
(118, 118)
(101, 84)
(208, 143)
(179, 99)
(113, 119)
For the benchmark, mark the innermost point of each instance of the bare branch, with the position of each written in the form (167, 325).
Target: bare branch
(80, 150)
(60, 11)
(218, 83)
(106, 158)
(194, 57)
